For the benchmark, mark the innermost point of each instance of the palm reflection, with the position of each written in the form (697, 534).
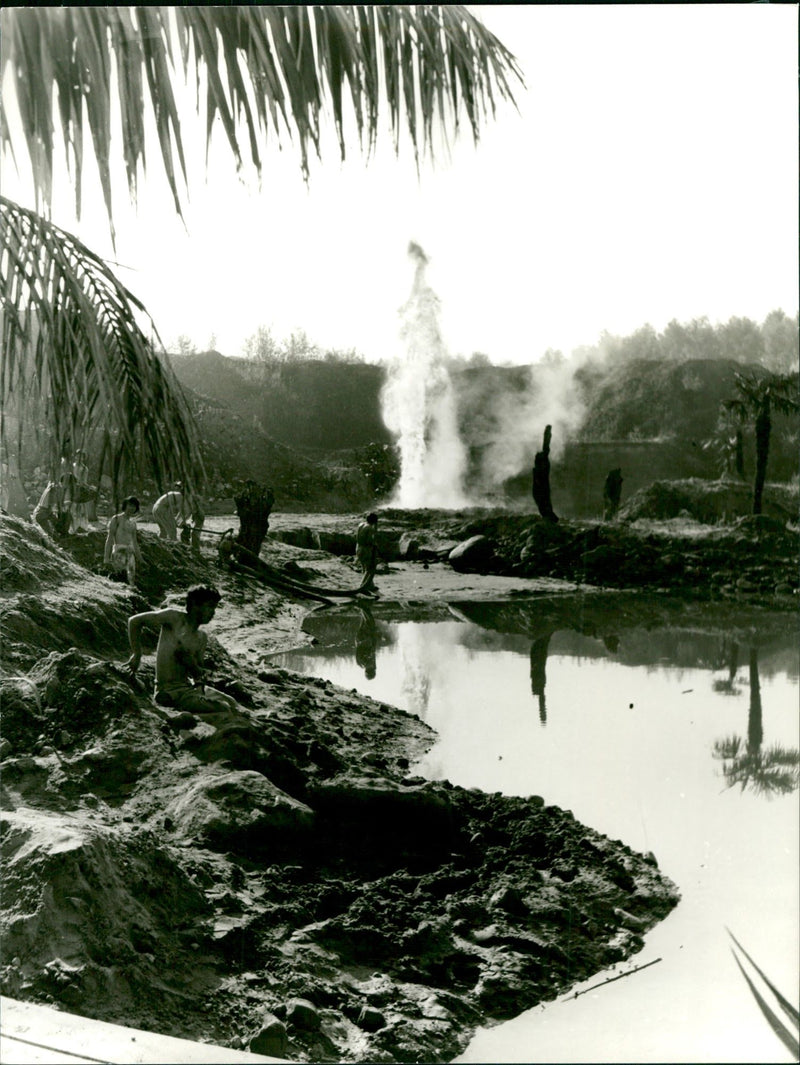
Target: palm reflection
(773, 770)
(539, 648)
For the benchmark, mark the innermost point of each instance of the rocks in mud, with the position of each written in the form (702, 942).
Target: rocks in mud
(472, 554)
(509, 899)
(370, 1019)
(271, 1039)
(247, 878)
(408, 547)
(303, 1014)
(699, 561)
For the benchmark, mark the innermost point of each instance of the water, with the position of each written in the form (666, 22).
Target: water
(627, 728)
(419, 404)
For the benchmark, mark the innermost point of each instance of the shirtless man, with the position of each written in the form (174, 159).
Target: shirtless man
(122, 547)
(168, 511)
(48, 508)
(180, 651)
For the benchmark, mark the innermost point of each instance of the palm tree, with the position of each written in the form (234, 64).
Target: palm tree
(757, 397)
(76, 341)
(75, 357)
(774, 770)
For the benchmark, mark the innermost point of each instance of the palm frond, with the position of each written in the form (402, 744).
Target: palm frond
(75, 354)
(771, 771)
(788, 1034)
(782, 390)
(270, 71)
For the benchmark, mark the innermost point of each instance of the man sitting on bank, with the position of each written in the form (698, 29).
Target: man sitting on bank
(180, 652)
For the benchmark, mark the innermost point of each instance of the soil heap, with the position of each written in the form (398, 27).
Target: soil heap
(278, 877)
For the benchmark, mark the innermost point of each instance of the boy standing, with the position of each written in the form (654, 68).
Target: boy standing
(122, 547)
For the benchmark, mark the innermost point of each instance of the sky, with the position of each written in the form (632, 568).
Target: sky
(650, 173)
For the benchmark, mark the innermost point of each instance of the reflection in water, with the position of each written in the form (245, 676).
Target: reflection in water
(728, 685)
(639, 774)
(367, 642)
(538, 658)
(774, 771)
(418, 668)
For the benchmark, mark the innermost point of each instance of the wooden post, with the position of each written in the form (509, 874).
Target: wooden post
(541, 479)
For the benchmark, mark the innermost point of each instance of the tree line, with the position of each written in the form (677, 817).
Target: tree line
(772, 343)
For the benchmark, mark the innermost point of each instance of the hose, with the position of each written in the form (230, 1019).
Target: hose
(263, 571)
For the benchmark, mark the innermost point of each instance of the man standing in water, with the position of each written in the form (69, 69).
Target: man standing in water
(367, 552)
(180, 652)
(122, 547)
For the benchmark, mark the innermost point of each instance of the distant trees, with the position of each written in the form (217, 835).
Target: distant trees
(781, 342)
(185, 345)
(262, 346)
(773, 344)
(696, 340)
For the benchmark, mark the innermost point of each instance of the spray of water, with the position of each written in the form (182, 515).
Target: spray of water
(551, 398)
(415, 658)
(419, 405)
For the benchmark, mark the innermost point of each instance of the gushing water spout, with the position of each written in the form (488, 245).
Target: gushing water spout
(419, 405)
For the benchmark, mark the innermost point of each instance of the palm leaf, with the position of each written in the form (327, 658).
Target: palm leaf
(75, 354)
(788, 1037)
(786, 1006)
(268, 70)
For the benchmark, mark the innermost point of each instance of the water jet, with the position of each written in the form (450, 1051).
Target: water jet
(419, 405)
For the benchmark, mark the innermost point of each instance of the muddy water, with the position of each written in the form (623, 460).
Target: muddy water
(662, 739)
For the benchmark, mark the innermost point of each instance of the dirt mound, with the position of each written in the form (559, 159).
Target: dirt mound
(752, 556)
(108, 930)
(30, 560)
(34, 712)
(707, 501)
(165, 564)
(189, 876)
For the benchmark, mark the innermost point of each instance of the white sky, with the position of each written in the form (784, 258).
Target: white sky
(651, 174)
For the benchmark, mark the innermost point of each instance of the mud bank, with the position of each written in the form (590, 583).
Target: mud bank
(272, 878)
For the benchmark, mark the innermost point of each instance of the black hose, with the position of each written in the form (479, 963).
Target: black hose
(269, 575)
